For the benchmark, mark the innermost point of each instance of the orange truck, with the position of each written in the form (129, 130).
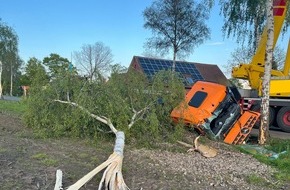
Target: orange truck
(213, 110)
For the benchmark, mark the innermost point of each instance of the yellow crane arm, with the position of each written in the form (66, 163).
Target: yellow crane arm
(279, 12)
(255, 70)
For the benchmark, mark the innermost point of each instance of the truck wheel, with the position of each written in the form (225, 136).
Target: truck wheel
(283, 119)
(272, 113)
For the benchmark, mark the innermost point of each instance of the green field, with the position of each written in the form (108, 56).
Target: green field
(16, 107)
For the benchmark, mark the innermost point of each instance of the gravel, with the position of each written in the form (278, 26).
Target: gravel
(230, 169)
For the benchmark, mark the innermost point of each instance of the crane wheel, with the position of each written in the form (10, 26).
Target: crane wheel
(283, 119)
(272, 113)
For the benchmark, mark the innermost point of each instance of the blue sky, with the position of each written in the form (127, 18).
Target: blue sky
(63, 26)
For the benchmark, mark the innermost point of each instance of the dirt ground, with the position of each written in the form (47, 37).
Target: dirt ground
(30, 163)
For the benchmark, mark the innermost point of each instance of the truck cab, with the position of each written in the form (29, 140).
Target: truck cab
(213, 109)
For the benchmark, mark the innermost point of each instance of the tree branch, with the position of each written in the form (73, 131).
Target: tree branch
(139, 113)
(101, 119)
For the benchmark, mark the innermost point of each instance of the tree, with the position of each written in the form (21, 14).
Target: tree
(279, 58)
(95, 60)
(56, 64)
(177, 25)
(245, 54)
(1, 96)
(34, 73)
(236, 82)
(245, 20)
(15, 77)
(60, 73)
(126, 103)
(117, 99)
(264, 128)
(238, 56)
(8, 54)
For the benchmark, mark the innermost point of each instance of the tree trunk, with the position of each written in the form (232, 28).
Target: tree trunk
(264, 128)
(257, 34)
(11, 80)
(1, 95)
(174, 61)
(112, 176)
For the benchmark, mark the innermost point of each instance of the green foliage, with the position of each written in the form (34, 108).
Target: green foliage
(245, 19)
(117, 99)
(34, 73)
(11, 62)
(50, 118)
(236, 82)
(57, 65)
(8, 40)
(14, 107)
(279, 145)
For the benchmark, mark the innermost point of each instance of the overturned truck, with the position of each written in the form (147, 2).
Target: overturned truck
(214, 110)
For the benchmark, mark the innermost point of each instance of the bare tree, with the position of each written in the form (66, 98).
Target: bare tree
(239, 55)
(177, 25)
(279, 57)
(95, 60)
(244, 54)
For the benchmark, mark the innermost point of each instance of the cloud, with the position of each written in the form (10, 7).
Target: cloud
(215, 43)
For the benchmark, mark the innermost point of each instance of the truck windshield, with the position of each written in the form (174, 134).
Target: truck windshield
(197, 99)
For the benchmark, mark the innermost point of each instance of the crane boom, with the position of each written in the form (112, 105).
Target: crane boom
(255, 69)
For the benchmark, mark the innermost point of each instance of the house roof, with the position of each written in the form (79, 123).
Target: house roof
(190, 71)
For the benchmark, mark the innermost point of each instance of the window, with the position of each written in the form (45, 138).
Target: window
(197, 99)
(188, 80)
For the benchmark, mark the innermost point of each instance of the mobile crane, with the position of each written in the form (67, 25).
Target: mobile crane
(279, 110)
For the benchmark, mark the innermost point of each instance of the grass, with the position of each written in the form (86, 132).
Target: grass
(45, 159)
(2, 150)
(39, 156)
(256, 180)
(282, 163)
(15, 107)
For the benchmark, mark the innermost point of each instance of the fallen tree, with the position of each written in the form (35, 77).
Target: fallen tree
(127, 104)
(112, 177)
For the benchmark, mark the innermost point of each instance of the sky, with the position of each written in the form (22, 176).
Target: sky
(63, 26)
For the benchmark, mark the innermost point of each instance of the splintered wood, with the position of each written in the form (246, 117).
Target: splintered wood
(204, 150)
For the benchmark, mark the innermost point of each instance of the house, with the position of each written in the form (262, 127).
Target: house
(189, 71)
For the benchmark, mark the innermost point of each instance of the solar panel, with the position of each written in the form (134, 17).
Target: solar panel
(187, 70)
